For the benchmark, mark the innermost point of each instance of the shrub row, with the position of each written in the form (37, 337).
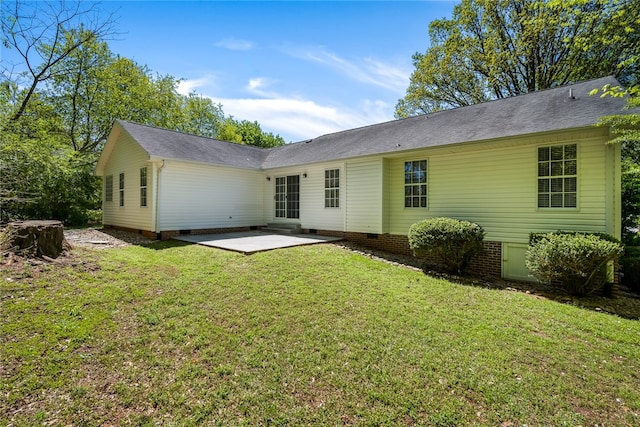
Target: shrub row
(580, 262)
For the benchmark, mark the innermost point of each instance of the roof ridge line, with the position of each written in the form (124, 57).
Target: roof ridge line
(426, 115)
(189, 134)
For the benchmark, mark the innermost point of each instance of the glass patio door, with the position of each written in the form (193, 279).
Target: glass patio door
(288, 197)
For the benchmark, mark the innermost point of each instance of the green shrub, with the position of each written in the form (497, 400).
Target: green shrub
(630, 268)
(447, 241)
(577, 261)
(535, 237)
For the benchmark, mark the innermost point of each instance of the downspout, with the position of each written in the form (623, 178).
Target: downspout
(157, 231)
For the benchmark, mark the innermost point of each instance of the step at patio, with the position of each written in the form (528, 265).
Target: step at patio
(279, 228)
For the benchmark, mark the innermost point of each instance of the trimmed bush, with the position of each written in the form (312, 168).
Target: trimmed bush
(447, 241)
(575, 260)
(535, 237)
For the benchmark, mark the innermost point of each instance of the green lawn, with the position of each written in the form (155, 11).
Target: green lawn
(174, 334)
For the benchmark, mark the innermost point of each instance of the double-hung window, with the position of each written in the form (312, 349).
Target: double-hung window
(143, 187)
(108, 188)
(415, 184)
(332, 188)
(558, 176)
(121, 188)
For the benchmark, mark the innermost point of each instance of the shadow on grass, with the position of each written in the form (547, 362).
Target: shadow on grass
(624, 304)
(161, 245)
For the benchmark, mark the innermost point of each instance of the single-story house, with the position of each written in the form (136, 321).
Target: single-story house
(530, 163)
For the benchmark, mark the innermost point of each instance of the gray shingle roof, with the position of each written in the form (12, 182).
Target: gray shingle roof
(543, 111)
(167, 144)
(536, 112)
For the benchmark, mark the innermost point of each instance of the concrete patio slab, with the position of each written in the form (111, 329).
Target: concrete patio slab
(248, 242)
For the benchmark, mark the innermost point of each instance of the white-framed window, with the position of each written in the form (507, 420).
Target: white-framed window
(143, 186)
(108, 188)
(121, 188)
(558, 176)
(415, 184)
(332, 188)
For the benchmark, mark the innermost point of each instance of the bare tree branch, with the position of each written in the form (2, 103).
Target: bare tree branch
(38, 31)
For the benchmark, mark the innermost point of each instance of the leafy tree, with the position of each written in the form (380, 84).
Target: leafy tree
(626, 127)
(40, 175)
(201, 116)
(499, 48)
(98, 87)
(249, 133)
(630, 196)
(252, 134)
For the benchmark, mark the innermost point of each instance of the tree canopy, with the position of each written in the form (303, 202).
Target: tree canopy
(499, 48)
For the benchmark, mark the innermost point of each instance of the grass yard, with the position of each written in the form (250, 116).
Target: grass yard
(174, 334)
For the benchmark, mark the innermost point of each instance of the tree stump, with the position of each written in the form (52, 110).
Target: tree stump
(35, 238)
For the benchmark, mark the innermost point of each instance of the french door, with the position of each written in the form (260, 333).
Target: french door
(288, 196)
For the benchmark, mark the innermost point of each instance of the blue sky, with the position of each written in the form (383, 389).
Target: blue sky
(300, 68)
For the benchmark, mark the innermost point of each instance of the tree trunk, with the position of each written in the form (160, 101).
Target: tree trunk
(35, 238)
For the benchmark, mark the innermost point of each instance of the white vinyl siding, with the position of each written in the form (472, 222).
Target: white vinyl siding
(196, 196)
(126, 158)
(365, 193)
(313, 215)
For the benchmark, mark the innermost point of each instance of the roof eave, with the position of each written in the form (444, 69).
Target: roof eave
(451, 145)
(195, 162)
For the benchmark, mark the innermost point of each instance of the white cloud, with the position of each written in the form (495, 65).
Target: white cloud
(294, 118)
(234, 44)
(395, 78)
(256, 83)
(258, 86)
(298, 119)
(369, 70)
(185, 87)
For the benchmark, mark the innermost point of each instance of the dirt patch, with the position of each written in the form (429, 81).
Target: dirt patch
(21, 267)
(103, 239)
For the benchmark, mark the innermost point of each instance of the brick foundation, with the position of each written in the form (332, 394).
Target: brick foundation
(489, 261)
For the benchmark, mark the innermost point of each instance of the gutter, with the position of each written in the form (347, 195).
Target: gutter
(157, 188)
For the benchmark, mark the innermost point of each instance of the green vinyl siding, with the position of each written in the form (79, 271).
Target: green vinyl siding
(496, 186)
